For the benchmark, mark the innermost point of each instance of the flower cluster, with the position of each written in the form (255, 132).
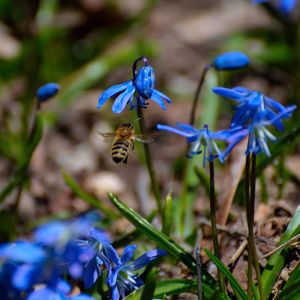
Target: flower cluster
(136, 91)
(37, 269)
(254, 112)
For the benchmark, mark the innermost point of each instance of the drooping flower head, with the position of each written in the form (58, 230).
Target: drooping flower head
(258, 133)
(231, 61)
(47, 91)
(251, 102)
(201, 138)
(136, 91)
(122, 280)
(254, 112)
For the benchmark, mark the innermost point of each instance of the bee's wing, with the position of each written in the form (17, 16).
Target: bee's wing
(143, 138)
(107, 134)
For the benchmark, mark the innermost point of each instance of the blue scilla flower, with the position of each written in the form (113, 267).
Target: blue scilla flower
(286, 6)
(122, 280)
(231, 61)
(249, 103)
(47, 91)
(97, 240)
(59, 292)
(201, 137)
(258, 133)
(136, 91)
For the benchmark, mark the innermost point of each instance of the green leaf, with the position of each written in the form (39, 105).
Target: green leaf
(172, 287)
(161, 239)
(234, 283)
(167, 214)
(277, 260)
(150, 285)
(291, 290)
(87, 197)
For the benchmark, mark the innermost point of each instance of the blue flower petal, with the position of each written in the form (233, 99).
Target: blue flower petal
(156, 98)
(128, 253)
(277, 122)
(81, 297)
(63, 286)
(145, 259)
(122, 100)
(111, 253)
(145, 82)
(274, 104)
(91, 273)
(22, 252)
(47, 91)
(111, 92)
(26, 276)
(286, 6)
(187, 127)
(50, 233)
(115, 295)
(231, 61)
(45, 294)
(227, 93)
(174, 130)
(161, 95)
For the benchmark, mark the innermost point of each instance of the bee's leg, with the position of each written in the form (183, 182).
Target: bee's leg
(125, 160)
(132, 147)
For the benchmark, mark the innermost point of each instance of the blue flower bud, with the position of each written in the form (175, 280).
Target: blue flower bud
(145, 81)
(47, 91)
(231, 61)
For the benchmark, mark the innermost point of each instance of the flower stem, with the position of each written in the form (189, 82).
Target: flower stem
(198, 270)
(187, 163)
(197, 94)
(154, 183)
(250, 225)
(213, 221)
(252, 204)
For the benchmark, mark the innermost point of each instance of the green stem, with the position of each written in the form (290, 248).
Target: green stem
(252, 241)
(213, 220)
(187, 166)
(250, 225)
(154, 183)
(197, 94)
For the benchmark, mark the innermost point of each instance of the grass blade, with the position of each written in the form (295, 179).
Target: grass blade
(234, 283)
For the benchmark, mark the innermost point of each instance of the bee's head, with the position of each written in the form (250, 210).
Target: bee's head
(127, 125)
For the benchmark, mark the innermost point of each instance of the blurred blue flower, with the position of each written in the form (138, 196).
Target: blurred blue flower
(47, 91)
(97, 240)
(249, 103)
(59, 292)
(201, 137)
(136, 91)
(284, 6)
(257, 132)
(231, 61)
(122, 280)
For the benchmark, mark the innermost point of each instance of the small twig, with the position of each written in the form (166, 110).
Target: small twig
(287, 243)
(238, 252)
(198, 270)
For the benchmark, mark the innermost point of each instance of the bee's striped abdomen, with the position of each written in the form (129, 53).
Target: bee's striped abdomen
(119, 150)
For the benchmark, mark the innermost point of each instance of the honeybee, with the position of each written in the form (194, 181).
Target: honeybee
(123, 142)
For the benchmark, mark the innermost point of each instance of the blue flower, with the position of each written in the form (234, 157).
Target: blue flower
(59, 292)
(286, 6)
(249, 103)
(122, 280)
(97, 240)
(201, 137)
(258, 133)
(47, 91)
(231, 61)
(136, 91)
